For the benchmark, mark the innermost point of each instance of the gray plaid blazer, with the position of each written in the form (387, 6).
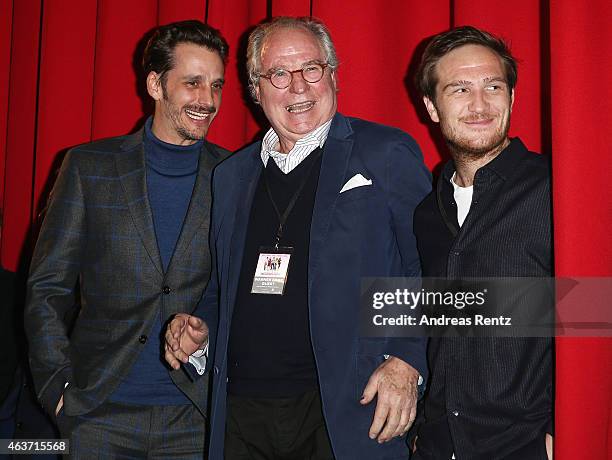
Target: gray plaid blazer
(98, 235)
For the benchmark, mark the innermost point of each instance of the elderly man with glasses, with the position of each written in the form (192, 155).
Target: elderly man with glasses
(298, 219)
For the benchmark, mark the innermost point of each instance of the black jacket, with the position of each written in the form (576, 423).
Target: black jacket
(489, 398)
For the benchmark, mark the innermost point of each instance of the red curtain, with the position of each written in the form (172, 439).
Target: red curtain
(68, 74)
(581, 123)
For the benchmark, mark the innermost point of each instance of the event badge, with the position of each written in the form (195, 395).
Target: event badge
(272, 269)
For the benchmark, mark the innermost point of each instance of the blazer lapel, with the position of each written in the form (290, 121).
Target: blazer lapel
(130, 162)
(336, 155)
(198, 213)
(249, 177)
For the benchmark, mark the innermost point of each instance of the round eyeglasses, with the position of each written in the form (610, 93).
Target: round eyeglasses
(282, 78)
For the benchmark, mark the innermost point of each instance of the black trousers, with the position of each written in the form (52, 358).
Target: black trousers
(276, 429)
(115, 430)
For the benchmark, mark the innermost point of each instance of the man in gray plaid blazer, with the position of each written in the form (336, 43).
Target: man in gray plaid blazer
(128, 223)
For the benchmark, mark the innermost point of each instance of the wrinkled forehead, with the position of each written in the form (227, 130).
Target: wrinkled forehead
(290, 47)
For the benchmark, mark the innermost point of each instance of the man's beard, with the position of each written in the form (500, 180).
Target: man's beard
(174, 113)
(470, 148)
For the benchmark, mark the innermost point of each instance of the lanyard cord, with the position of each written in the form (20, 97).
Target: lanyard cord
(282, 218)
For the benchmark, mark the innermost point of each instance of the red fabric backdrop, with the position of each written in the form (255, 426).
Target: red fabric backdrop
(68, 75)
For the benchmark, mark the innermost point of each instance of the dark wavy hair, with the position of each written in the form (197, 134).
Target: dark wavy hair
(159, 53)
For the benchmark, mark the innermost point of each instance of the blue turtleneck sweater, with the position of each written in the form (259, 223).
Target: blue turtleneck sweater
(171, 174)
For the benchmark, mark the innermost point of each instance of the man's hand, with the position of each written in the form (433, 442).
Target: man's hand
(60, 404)
(395, 382)
(185, 334)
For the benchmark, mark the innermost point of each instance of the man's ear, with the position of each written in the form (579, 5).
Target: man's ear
(257, 96)
(511, 100)
(431, 109)
(335, 80)
(154, 86)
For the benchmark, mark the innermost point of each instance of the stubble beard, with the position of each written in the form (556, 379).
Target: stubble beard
(470, 149)
(174, 113)
(188, 135)
(183, 131)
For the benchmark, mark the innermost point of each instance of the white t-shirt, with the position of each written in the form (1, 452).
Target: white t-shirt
(463, 198)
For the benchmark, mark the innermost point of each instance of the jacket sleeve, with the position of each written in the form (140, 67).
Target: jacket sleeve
(207, 310)
(52, 282)
(208, 307)
(408, 183)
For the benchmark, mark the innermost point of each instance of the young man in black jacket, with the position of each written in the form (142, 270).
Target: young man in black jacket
(488, 397)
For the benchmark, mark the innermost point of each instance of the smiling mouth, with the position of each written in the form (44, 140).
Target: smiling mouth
(198, 116)
(479, 121)
(300, 107)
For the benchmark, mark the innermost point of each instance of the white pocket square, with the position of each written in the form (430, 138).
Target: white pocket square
(356, 181)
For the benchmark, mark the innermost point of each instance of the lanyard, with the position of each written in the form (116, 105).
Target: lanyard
(282, 218)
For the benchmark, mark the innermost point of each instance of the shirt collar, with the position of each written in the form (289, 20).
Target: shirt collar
(302, 148)
(502, 165)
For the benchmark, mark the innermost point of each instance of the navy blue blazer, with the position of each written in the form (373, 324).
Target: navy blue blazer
(365, 231)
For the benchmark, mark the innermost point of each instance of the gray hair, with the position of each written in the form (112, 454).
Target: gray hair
(262, 31)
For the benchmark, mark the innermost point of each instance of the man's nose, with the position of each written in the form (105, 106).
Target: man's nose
(205, 95)
(478, 101)
(298, 84)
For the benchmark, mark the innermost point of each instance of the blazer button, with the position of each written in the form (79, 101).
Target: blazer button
(142, 339)
(216, 370)
(166, 290)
